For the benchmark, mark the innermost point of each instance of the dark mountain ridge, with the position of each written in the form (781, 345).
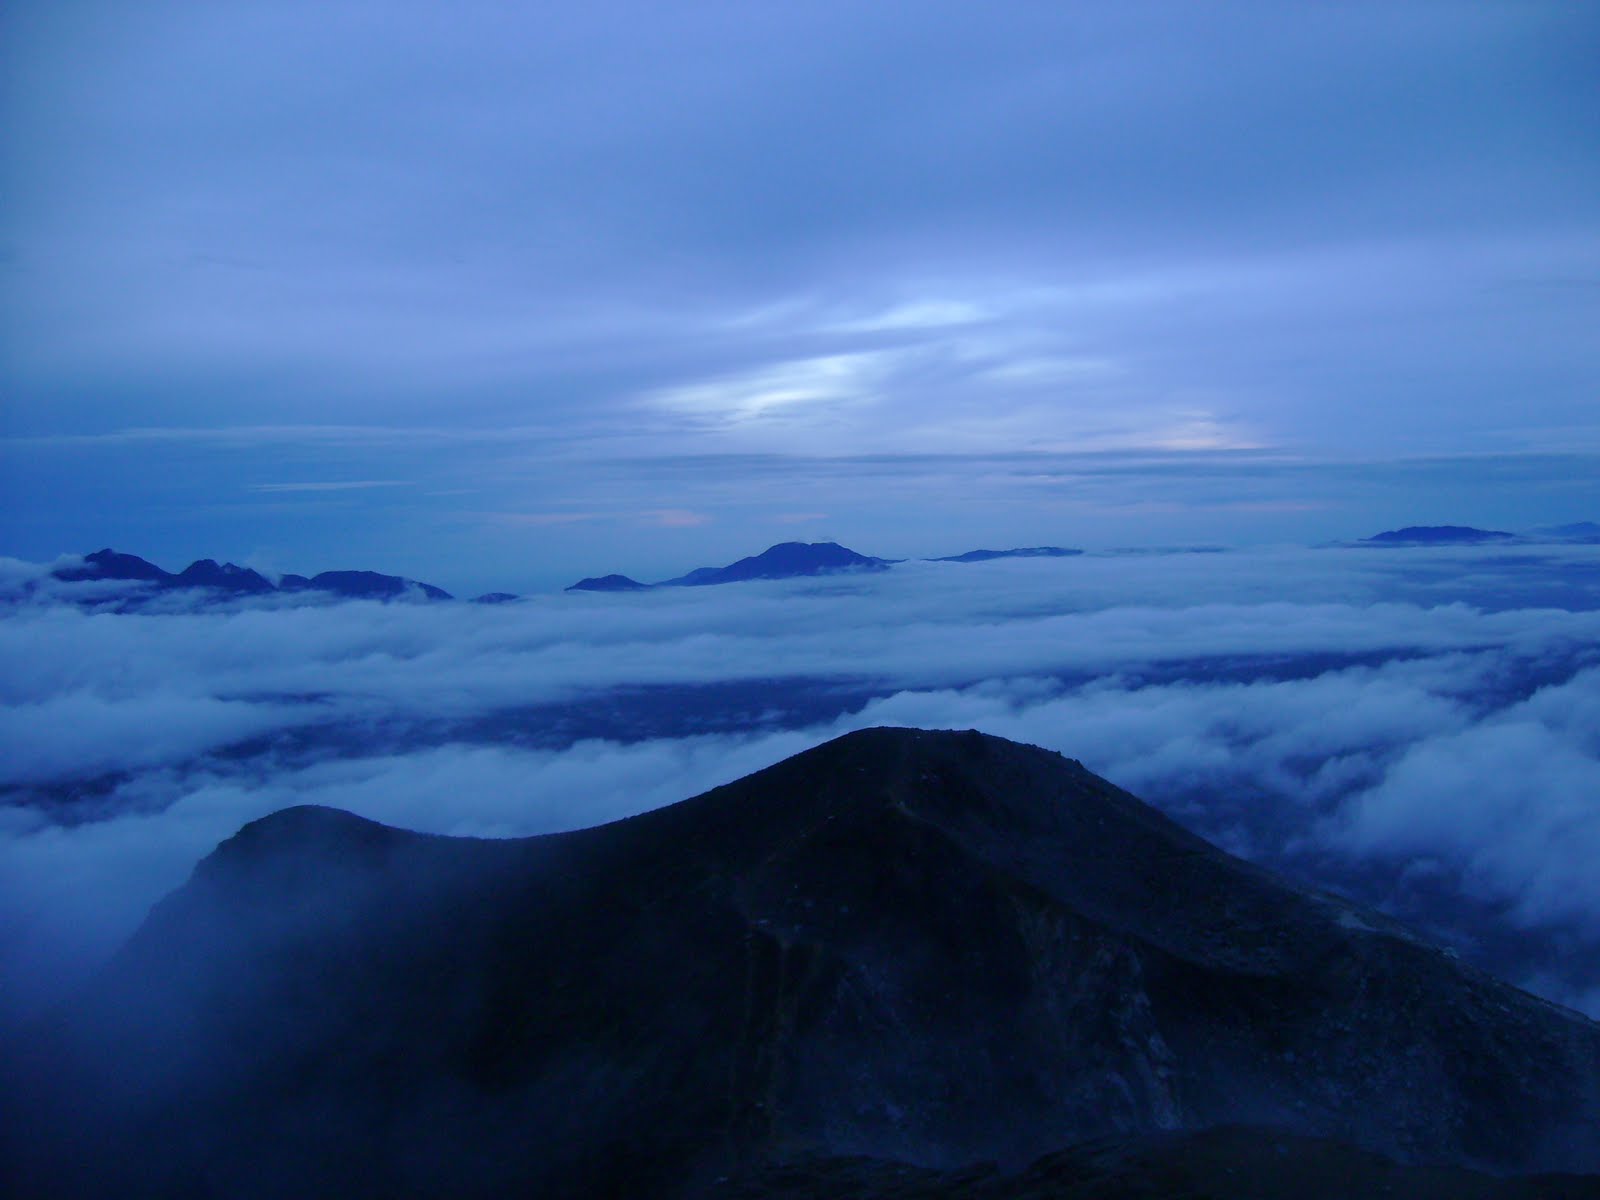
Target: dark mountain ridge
(1438, 535)
(609, 583)
(973, 556)
(234, 579)
(226, 577)
(932, 948)
(1573, 533)
(786, 560)
(362, 585)
(794, 560)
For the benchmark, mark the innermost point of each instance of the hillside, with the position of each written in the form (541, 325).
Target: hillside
(933, 949)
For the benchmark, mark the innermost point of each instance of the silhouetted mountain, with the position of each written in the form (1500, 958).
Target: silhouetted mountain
(496, 598)
(228, 577)
(972, 556)
(931, 948)
(203, 573)
(370, 585)
(786, 560)
(608, 583)
(1437, 535)
(109, 564)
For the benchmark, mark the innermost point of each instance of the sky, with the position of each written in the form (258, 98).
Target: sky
(499, 295)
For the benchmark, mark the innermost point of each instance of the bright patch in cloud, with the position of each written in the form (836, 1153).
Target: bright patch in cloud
(798, 385)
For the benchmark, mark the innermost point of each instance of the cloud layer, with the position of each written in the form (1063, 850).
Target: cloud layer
(1391, 725)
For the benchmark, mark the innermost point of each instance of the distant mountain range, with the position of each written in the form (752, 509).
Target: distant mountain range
(1466, 535)
(786, 560)
(233, 579)
(973, 556)
(848, 975)
(794, 560)
(1438, 535)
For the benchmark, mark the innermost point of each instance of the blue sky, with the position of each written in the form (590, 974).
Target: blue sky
(500, 295)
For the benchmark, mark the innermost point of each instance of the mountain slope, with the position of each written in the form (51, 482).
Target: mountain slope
(934, 948)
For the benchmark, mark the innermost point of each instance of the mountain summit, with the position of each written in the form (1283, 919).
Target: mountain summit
(931, 948)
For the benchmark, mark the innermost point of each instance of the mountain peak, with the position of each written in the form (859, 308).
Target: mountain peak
(231, 577)
(372, 585)
(975, 556)
(1438, 535)
(111, 564)
(608, 583)
(786, 560)
(933, 947)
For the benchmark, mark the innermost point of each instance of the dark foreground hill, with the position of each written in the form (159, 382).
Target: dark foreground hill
(852, 974)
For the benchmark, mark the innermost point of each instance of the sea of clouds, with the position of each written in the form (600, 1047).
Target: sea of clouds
(1418, 728)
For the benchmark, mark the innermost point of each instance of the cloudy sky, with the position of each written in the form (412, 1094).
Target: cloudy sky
(497, 295)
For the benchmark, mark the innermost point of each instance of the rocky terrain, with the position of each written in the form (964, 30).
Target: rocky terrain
(870, 969)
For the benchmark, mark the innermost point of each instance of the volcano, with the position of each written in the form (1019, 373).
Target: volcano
(881, 961)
